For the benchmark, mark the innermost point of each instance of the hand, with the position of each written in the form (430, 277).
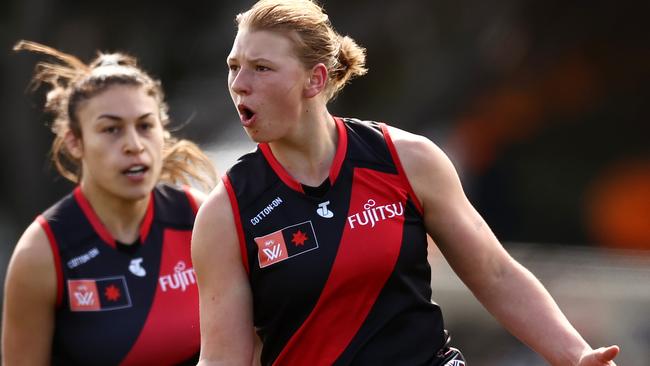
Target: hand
(602, 356)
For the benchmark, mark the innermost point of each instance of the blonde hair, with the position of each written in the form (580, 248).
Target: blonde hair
(316, 41)
(72, 82)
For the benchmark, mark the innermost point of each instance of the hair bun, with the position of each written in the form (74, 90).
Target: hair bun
(113, 59)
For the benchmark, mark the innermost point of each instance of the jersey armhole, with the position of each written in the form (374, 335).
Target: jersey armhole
(191, 199)
(240, 230)
(400, 168)
(56, 256)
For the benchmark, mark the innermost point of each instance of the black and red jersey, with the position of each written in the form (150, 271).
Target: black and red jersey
(339, 278)
(124, 308)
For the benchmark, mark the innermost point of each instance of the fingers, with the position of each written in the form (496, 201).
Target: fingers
(606, 354)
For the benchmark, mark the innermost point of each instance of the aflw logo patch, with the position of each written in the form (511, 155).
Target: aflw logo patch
(109, 293)
(286, 243)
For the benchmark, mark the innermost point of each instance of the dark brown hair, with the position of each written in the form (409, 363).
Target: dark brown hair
(72, 82)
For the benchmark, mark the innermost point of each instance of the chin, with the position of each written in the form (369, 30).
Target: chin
(136, 196)
(254, 137)
(258, 137)
(139, 192)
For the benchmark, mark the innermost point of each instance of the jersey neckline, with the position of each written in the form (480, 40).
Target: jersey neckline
(335, 168)
(99, 227)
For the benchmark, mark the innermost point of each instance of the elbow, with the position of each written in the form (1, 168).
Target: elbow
(493, 277)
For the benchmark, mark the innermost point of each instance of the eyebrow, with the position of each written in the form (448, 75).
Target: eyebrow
(118, 118)
(252, 60)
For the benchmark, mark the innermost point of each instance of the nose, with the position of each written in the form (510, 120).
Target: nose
(133, 142)
(240, 82)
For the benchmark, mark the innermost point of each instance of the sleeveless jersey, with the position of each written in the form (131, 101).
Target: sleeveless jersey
(119, 308)
(341, 279)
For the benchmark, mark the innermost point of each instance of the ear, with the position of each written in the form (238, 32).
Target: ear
(73, 144)
(317, 80)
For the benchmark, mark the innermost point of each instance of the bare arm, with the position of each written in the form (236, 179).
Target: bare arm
(29, 301)
(508, 291)
(224, 292)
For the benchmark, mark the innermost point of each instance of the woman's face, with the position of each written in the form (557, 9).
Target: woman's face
(266, 81)
(121, 142)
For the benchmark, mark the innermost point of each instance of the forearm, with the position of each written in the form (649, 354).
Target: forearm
(218, 351)
(227, 336)
(520, 302)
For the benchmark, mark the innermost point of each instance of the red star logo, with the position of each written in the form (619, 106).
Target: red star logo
(112, 293)
(299, 238)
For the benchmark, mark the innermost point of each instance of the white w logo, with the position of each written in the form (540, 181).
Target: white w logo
(455, 363)
(274, 253)
(85, 298)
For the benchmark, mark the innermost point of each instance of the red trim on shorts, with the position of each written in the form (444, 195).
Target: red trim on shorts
(400, 168)
(57, 258)
(240, 229)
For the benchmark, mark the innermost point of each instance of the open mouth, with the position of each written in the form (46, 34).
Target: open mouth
(246, 113)
(135, 170)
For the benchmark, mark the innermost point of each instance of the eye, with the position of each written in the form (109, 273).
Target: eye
(233, 67)
(261, 68)
(111, 130)
(146, 125)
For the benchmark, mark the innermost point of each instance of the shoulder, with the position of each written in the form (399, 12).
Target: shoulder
(65, 208)
(367, 131)
(215, 225)
(405, 142)
(426, 165)
(217, 204)
(32, 262)
(173, 200)
(34, 243)
(30, 300)
(250, 177)
(247, 161)
(417, 151)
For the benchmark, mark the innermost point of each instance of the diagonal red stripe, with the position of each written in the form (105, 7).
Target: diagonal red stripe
(359, 272)
(164, 338)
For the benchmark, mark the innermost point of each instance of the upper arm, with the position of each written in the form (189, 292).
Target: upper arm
(457, 228)
(29, 301)
(506, 289)
(224, 291)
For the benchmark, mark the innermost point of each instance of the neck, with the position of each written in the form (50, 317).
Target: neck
(308, 153)
(121, 217)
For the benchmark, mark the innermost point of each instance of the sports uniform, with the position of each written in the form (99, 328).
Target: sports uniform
(116, 307)
(339, 274)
